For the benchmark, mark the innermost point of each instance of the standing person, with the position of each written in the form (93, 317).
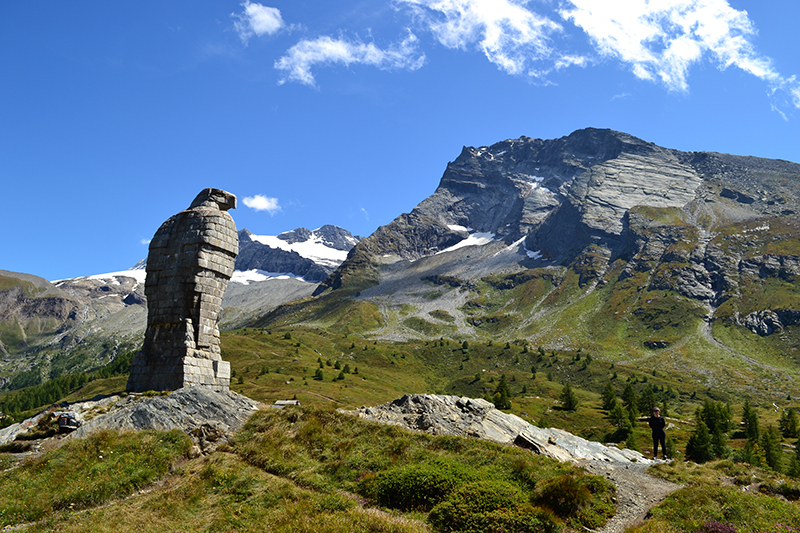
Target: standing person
(657, 423)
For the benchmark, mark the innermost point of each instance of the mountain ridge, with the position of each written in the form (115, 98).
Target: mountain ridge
(596, 240)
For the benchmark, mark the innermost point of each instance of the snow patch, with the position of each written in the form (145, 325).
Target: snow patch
(535, 179)
(456, 227)
(760, 228)
(245, 277)
(138, 275)
(475, 239)
(314, 248)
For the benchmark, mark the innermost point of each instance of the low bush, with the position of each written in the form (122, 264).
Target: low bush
(490, 506)
(416, 486)
(583, 499)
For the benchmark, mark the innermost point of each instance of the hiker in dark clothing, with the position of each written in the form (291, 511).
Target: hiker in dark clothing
(657, 423)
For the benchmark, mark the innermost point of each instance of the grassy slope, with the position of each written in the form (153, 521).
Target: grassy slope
(281, 471)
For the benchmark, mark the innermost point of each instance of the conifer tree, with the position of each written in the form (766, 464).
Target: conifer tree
(629, 398)
(788, 424)
(569, 400)
(716, 415)
(647, 400)
(771, 444)
(750, 421)
(620, 419)
(502, 394)
(794, 465)
(609, 397)
(698, 449)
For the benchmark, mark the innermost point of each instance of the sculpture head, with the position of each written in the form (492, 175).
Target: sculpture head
(212, 197)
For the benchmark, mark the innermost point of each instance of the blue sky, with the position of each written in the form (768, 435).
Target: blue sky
(113, 115)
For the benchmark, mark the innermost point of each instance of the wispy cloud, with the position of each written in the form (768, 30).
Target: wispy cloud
(145, 242)
(660, 40)
(259, 202)
(364, 211)
(511, 36)
(296, 64)
(258, 20)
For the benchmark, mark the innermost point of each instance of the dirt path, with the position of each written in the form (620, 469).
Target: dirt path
(637, 492)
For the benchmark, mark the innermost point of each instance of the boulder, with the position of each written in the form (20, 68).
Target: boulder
(478, 418)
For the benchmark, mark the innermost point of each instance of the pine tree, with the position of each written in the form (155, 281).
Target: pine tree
(788, 424)
(619, 418)
(698, 449)
(719, 444)
(794, 465)
(569, 400)
(502, 394)
(750, 421)
(716, 415)
(647, 401)
(318, 376)
(629, 398)
(771, 444)
(609, 397)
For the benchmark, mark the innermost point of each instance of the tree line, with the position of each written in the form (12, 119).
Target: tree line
(14, 404)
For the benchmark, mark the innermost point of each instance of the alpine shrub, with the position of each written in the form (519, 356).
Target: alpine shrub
(564, 495)
(416, 486)
(490, 506)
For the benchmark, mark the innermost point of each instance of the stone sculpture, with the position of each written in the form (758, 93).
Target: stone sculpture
(190, 261)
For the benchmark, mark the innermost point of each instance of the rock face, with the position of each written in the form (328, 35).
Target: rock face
(254, 255)
(190, 261)
(208, 417)
(564, 195)
(204, 414)
(309, 254)
(470, 417)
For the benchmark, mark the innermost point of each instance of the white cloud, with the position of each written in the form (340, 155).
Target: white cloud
(257, 20)
(259, 202)
(661, 39)
(145, 241)
(296, 64)
(511, 36)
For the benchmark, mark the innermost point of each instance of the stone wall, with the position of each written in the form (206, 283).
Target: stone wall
(190, 261)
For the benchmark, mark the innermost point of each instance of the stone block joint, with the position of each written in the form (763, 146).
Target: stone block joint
(190, 260)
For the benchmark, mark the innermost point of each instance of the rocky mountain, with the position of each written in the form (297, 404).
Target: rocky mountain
(311, 255)
(77, 324)
(598, 240)
(81, 323)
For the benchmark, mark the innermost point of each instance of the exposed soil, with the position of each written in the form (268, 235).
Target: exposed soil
(637, 492)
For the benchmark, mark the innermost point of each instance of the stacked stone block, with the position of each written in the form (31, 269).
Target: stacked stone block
(190, 261)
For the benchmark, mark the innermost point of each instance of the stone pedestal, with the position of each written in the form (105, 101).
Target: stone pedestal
(190, 261)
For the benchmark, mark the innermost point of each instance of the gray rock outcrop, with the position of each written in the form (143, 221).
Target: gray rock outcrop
(190, 261)
(209, 417)
(477, 418)
(202, 413)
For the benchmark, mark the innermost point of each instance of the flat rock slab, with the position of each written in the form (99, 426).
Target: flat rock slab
(475, 417)
(193, 410)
